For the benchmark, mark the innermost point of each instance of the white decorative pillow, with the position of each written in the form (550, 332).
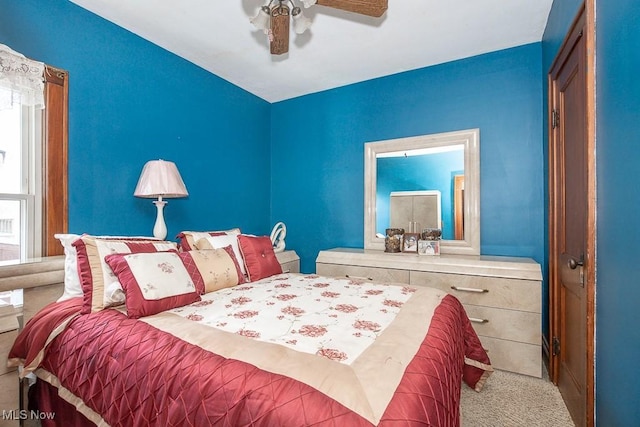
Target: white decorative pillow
(209, 242)
(154, 282)
(72, 286)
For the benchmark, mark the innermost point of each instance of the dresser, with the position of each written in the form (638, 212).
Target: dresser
(501, 295)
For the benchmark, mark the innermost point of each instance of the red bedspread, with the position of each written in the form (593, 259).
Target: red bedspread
(129, 373)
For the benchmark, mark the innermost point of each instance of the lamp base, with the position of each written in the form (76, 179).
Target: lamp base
(160, 228)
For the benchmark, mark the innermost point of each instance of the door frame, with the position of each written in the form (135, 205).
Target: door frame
(587, 13)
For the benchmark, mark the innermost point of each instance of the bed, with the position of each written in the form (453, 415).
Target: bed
(272, 349)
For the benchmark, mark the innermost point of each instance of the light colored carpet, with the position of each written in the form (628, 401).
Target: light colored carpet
(513, 400)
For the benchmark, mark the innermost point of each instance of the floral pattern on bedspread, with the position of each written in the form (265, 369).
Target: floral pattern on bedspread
(337, 318)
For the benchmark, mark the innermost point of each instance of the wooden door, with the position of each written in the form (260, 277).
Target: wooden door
(572, 223)
(458, 207)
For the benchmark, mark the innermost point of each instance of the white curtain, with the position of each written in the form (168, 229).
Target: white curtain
(21, 79)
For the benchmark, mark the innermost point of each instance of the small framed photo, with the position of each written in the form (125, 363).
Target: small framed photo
(428, 247)
(410, 242)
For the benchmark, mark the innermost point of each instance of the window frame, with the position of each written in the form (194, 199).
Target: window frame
(55, 203)
(47, 184)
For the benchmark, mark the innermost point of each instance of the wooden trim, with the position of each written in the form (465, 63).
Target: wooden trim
(375, 8)
(458, 207)
(591, 206)
(55, 201)
(554, 314)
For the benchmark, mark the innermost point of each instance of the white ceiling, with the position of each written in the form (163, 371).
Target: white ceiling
(341, 48)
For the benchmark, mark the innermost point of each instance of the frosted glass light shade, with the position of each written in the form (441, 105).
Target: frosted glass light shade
(160, 178)
(262, 20)
(301, 23)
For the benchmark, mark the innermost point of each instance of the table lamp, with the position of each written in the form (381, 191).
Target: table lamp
(161, 179)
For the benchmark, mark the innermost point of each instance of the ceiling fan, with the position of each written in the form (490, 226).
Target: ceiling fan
(274, 17)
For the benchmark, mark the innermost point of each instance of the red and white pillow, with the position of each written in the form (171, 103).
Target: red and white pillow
(96, 277)
(259, 258)
(154, 281)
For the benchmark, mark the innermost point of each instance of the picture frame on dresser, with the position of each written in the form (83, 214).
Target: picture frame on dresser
(410, 242)
(428, 247)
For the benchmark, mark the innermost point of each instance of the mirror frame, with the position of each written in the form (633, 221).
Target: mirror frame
(471, 140)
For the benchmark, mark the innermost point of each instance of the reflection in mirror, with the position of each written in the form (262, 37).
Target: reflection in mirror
(414, 211)
(410, 168)
(428, 169)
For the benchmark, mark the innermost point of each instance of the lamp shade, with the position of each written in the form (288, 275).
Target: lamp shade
(160, 178)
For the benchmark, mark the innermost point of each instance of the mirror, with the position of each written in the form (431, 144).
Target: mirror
(446, 162)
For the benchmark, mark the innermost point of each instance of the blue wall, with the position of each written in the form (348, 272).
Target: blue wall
(131, 101)
(618, 238)
(318, 164)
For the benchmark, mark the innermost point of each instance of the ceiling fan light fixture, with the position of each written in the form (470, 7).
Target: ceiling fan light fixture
(273, 19)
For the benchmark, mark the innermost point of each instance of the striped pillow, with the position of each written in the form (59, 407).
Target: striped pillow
(96, 275)
(218, 268)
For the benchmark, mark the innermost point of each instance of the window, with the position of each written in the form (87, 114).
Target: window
(20, 182)
(33, 160)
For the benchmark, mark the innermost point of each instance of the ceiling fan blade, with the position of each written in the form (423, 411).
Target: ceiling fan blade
(279, 30)
(375, 8)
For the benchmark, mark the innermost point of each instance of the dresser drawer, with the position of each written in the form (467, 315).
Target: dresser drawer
(522, 326)
(371, 273)
(496, 292)
(514, 356)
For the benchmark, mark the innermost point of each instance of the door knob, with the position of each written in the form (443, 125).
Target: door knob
(574, 263)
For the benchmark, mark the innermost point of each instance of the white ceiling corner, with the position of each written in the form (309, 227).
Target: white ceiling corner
(341, 48)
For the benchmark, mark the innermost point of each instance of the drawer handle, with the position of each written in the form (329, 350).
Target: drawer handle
(357, 277)
(479, 291)
(476, 320)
